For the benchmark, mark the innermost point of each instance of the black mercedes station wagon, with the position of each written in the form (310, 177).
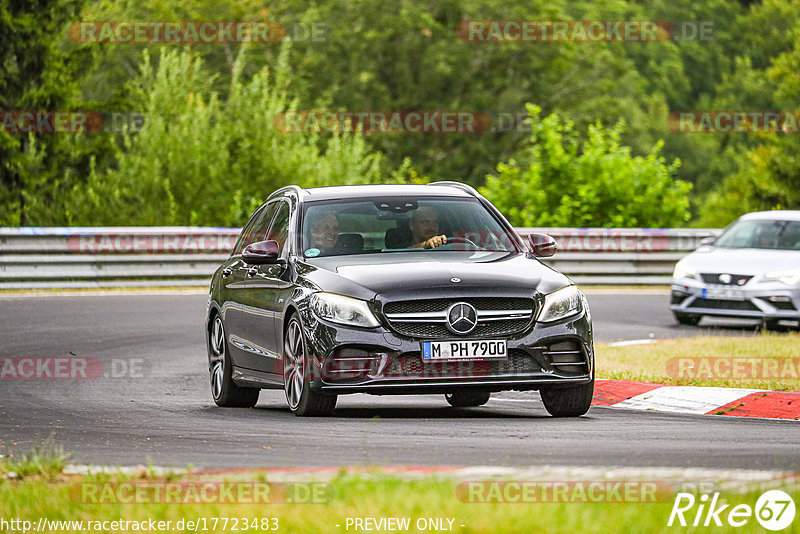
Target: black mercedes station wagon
(394, 289)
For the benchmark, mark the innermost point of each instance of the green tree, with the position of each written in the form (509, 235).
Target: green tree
(769, 174)
(566, 178)
(37, 76)
(201, 159)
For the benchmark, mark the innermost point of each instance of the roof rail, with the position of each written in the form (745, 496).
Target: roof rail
(464, 187)
(295, 188)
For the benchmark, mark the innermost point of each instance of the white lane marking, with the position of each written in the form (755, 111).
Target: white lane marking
(685, 399)
(630, 342)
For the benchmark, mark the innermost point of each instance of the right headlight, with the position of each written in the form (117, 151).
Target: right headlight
(790, 277)
(682, 270)
(342, 310)
(565, 302)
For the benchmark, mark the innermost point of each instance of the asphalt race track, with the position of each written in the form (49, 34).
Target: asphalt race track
(164, 413)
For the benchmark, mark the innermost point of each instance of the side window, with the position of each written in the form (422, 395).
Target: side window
(246, 231)
(255, 230)
(279, 229)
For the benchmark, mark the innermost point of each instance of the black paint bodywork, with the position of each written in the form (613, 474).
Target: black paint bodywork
(256, 301)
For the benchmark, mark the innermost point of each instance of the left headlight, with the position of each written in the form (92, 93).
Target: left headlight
(342, 310)
(565, 302)
(790, 277)
(683, 270)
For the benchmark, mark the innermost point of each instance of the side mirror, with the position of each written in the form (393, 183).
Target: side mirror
(708, 241)
(542, 245)
(261, 252)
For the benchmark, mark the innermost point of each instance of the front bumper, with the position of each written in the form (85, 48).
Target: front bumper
(380, 361)
(757, 299)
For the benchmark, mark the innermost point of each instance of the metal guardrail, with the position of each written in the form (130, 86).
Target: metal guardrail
(32, 258)
(613, 256)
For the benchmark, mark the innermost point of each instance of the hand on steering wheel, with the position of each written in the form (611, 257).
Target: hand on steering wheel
(464, 240)
(435, 241)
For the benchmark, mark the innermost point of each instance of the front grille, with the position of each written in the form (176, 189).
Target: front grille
(736, 279)
(411, 365)
(721, 304)
(480, 303)
(433, 325)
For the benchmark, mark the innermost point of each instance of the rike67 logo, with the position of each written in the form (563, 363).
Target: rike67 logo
(774, 510)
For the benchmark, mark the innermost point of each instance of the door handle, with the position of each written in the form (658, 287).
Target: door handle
(252, 271)
(226, 272)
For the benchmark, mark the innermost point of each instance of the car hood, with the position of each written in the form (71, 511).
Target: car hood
(432, 274)
(749, 261)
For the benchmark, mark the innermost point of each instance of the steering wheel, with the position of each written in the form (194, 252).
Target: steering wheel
(457, 239)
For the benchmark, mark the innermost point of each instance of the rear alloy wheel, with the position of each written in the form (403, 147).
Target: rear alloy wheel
(296, 376)
(467, 399)
(224, 391)
(689, 319)
(568, 402)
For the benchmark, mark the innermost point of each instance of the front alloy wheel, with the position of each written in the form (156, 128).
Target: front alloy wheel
(223, 389)
(296, 376)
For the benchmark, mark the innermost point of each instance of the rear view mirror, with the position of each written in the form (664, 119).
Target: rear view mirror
(542, 245)
(708, 241)
(261, 252)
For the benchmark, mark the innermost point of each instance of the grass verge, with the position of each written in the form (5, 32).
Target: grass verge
(43, 460)
(770, 361)
(357, 496)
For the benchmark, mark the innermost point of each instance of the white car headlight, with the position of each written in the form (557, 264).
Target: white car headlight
(790, 277)
(682, 270)
(565, 302)
(342, 310)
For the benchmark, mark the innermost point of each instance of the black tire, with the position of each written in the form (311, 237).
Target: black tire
(775, 325)
(223, 390)
(688, 319)
(568, 402)
(296, 376)
(467, 399)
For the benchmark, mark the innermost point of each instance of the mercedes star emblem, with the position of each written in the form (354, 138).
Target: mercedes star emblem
(462, 318)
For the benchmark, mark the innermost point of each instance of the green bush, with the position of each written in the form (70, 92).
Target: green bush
(564, 178)
(201, 160)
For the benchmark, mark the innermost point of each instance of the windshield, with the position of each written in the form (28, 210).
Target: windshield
(779, 235)
(372, 225)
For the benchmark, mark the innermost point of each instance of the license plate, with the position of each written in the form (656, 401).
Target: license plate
(457, 350)
(723, 293)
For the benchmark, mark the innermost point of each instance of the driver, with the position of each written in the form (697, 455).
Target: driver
(324, 233)
(764, 238)
(424, 226)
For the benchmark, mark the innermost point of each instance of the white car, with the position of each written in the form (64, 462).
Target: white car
(752, 270)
